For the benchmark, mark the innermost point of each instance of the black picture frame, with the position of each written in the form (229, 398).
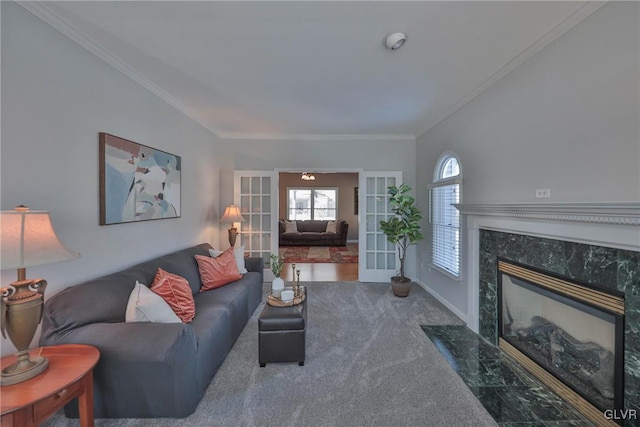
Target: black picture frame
(137, 182)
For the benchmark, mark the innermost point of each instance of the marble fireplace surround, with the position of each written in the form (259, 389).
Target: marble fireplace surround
(593, 243)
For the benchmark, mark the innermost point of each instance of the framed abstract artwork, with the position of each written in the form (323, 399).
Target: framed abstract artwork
(137, 183)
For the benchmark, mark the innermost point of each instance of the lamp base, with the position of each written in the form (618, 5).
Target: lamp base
(233, 233)
(24, 369)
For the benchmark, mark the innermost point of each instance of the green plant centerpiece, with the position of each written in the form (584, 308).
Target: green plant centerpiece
(277, 284)
(277, 262)
(403, 230)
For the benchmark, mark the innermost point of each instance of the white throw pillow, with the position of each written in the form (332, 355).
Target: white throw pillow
(146, 306)
(290, 226)
(332, 227)
(238, 253)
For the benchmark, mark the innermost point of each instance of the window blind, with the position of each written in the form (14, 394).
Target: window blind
(445, 222)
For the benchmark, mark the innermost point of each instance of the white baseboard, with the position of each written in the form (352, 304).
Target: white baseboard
(446, 303)
(353, 241)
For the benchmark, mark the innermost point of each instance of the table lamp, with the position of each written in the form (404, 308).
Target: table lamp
(232, 214)
(28, 239)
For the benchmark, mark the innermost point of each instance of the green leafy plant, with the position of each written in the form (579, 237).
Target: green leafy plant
(277, 262)
(403, 229)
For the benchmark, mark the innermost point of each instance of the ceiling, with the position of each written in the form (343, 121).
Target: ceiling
(314, 69)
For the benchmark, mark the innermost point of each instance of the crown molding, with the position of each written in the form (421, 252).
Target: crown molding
(318, 137)
(48, 15)
(565, 25)
(598, 213)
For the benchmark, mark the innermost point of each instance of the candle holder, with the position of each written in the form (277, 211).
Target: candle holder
(296, 286)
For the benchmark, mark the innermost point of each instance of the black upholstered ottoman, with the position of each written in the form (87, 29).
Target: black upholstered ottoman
(282, 334)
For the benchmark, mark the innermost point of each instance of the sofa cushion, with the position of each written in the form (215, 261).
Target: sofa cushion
(216, 272)
(214, 332)
(146, 306)
(332, 227)
(183, 264)
(290, 226)
(315, 226)
(176, 292)
(239, 255)
(232, 298)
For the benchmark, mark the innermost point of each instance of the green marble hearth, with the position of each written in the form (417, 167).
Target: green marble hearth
(511, 395)
(606, 267)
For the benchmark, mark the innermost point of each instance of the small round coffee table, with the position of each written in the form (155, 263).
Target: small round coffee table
(70, 375)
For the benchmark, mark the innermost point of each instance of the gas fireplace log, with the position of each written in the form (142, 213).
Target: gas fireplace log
(587, 361)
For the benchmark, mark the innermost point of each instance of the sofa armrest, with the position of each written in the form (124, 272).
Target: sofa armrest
(137, 360)
(254, 264)
(344, 231)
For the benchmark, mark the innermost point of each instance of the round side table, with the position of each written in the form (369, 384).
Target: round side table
(69, 376)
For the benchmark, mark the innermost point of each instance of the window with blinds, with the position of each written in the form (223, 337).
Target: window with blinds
(444, 217)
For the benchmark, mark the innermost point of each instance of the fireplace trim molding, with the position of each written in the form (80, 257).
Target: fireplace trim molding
(614, 225)
(599, 213)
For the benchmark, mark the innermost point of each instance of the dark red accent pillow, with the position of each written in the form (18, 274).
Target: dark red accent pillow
(217, 272)
(175, 290)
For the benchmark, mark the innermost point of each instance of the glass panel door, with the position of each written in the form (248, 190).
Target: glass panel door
(378, 260)
(255, 192)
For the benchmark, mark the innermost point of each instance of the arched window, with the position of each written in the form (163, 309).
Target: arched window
(444, 192)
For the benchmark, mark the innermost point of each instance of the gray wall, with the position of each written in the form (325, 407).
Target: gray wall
(392, 155)
(567, 119)
(345, 182)
(56, 97)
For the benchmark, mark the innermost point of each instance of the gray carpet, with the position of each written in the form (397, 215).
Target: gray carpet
(368, 364)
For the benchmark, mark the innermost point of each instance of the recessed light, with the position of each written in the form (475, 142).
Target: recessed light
(395, 41)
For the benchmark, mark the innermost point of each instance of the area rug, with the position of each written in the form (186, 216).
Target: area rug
(319, 254)
(368, 363)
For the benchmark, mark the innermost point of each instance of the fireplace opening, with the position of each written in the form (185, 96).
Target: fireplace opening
(568, 334)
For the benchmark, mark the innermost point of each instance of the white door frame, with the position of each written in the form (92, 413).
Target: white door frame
(275, 196)
(273, 208)
(378, 259)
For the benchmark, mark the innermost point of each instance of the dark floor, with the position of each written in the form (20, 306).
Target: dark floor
(510, 394)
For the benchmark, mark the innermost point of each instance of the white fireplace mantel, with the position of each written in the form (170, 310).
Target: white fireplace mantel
(614, 225)
(599, 213)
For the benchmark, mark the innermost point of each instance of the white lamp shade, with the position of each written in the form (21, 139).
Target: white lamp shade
(28, 239)
(232, 214)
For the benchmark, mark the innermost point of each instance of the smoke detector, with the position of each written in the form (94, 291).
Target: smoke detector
(395, 41)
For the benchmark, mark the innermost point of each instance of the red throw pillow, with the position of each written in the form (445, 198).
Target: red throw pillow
(175, 290)
(216, 272)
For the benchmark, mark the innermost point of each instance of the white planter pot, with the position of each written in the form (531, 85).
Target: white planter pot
(277, 285)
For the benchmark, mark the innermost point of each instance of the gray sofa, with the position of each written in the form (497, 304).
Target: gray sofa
(313, 233)
(152, 369)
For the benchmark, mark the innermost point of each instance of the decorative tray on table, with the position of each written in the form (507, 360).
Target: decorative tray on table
(277, 302)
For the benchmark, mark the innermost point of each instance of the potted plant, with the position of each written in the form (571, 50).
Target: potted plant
(277, 284)
(403, 230)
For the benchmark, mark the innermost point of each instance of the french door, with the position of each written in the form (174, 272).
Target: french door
(256, 193)
(378, 259)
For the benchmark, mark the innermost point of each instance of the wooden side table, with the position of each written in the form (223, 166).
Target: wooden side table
(70, 375)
